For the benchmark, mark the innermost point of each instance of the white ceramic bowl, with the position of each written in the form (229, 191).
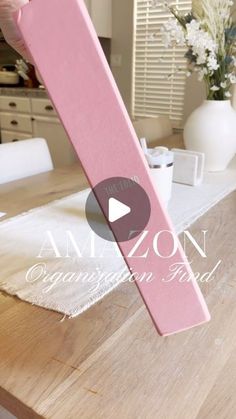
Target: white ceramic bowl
(9, 77)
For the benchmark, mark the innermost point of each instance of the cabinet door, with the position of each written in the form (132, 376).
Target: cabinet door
(43, 107)
(11, 137)
(16, 122)
(15, 104)
(59, 145)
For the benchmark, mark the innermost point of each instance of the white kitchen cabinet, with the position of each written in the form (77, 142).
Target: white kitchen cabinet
(15, 104)
(43, 107)
(12, 136)
(16, 122)
(59, 145)
(22, 118)
(101, 15)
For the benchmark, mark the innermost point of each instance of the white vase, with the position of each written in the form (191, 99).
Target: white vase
(211, 129)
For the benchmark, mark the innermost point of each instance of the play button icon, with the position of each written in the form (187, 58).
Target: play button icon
(117, 210)
(124, 209)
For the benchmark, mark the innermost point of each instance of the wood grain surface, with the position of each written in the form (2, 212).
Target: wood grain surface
(109, 362)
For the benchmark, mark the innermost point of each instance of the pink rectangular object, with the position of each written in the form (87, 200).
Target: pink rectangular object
(64, 46)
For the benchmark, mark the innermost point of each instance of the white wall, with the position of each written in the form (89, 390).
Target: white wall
(195, 93)
(122, 44)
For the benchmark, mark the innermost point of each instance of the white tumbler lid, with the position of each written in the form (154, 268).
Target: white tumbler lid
(159, 157)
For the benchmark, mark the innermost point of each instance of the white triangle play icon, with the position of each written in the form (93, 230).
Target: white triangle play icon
(117, 210)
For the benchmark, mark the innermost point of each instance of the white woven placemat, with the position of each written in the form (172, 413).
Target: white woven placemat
(70, 285)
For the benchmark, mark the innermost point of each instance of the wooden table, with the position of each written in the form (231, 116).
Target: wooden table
(110, 362)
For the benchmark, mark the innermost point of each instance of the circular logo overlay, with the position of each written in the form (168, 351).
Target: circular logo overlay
(123, 203)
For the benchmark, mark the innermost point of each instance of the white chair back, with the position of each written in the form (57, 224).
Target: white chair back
(4, 414)
(25, 158)
(153, 128)
(234, 96)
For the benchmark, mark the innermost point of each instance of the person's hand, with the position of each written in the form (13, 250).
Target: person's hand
(9, 28)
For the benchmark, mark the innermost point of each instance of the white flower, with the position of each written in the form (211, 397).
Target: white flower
(215, 16)
(201, 44)
(224, 14)
(166, 39)
(232, 78)
(165, 4)
(172, 32)
(199, 38)
(234, 61)
(223, 85)
(212, 63)
(215, 88)
(153, 37)
(228, 94)
(204, 37)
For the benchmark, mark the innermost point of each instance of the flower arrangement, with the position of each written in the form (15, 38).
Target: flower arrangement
(209, 33)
